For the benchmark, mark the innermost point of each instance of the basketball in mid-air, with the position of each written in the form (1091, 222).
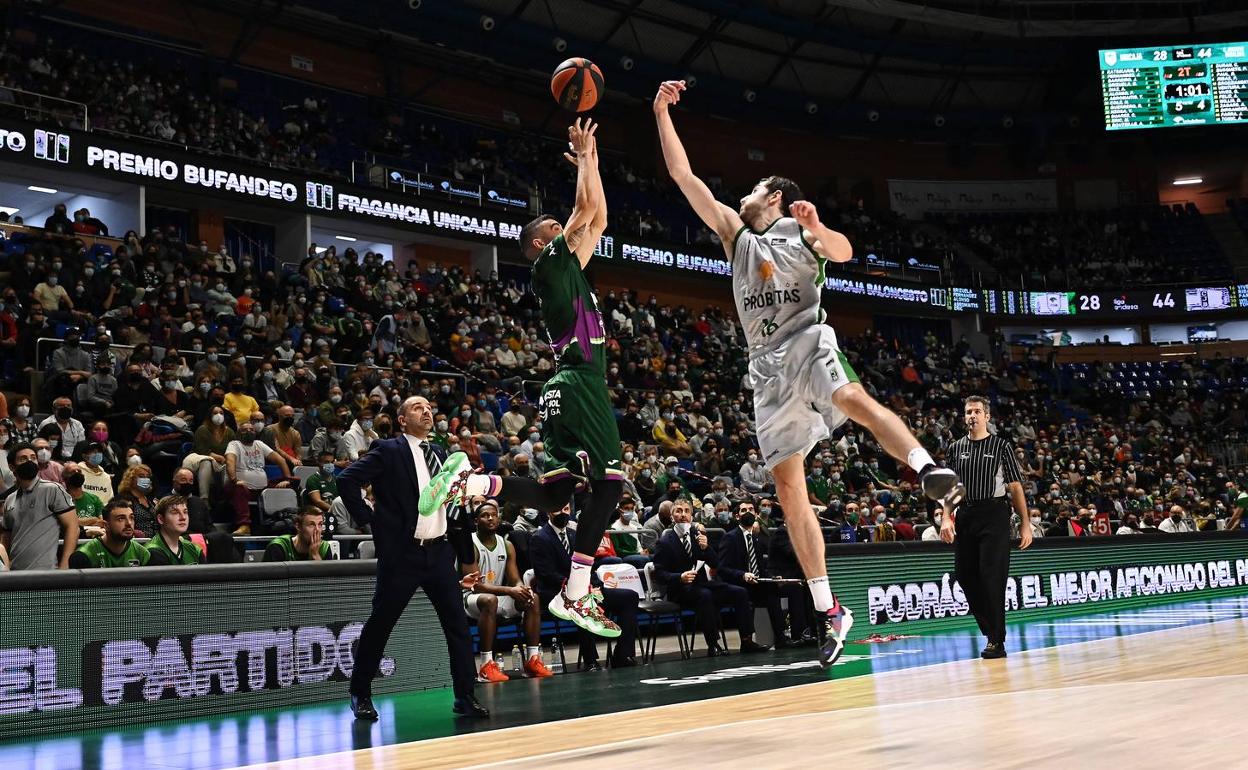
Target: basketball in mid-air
(576, 84)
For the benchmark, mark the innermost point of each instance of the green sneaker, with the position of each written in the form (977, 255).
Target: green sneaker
(449, 482)
(585, 612)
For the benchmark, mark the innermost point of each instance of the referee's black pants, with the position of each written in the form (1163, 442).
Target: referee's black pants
(981, 562)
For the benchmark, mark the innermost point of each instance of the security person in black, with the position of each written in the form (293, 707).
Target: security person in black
(980, 528)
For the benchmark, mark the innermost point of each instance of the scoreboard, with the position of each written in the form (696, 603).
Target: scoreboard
(1133, 302)
(1190, 85)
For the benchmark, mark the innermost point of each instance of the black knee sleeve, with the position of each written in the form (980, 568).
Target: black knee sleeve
(592, 520)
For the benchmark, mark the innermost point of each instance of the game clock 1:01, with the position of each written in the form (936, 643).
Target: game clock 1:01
(1170, 86)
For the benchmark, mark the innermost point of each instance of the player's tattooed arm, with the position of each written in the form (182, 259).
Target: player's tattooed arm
(574, 238)
(827, 242)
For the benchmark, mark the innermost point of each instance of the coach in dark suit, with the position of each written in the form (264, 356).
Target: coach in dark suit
(550, 551)
(412, 552)
(675, 555)
(743, 558)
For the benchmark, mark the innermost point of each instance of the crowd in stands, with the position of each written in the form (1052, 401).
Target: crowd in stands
(168, 359)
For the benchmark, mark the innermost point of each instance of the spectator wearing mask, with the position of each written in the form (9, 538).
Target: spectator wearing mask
(137, 485)
(240, 403)
(624, 535)
(71, 364)
(321, 488)
(58, 222)
(7, 479)
(1130, 525)
(359, 437)
(207, 458)
(101, 388)
(88, 506)
(73, 433)
(267, 390)
(173, 401)
(306, 544)
(326, 439)
(96, 479)
(117, 548)
(283, 436)
(1176, 522)
(514, 421)
(683, 561)
(137, 402)
(668, 436)
(743, 557)
(550, 550)
(245, 459)
(199, 517)
(755, 478)
(170, 546)
(22, 429)
(49, 469)
(35, 515)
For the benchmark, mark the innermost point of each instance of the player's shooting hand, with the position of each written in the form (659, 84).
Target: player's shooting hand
(805, 213)
(669, 94)
(581, 137)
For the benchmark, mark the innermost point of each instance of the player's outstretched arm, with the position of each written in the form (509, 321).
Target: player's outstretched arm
(589, 208)
(830, 244)
(720, 218)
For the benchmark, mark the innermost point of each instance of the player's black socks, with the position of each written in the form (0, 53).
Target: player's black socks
(591, 522)
(531, 494)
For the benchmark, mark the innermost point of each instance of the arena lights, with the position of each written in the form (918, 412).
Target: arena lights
(347, 238)
(37, 188)
(8, 210)
(1179, 182)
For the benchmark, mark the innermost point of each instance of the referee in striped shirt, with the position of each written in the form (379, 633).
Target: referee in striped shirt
(981, 535)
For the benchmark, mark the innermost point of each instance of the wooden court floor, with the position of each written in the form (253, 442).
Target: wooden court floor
(1166, 698)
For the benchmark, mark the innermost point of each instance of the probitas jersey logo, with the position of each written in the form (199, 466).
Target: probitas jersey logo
(771, 298)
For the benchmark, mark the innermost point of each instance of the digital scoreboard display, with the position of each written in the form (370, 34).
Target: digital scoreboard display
(1191, 85)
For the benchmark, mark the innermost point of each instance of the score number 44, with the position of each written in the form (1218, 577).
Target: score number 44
(1093, 301)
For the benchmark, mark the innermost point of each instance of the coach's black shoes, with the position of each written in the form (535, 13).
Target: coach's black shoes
(750, 646)
(362, 707)
(993, 650)
(469, 707)
(938, 482)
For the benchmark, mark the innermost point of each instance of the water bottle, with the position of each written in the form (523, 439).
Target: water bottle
(556, 657)
(517, 659)
(500, 660)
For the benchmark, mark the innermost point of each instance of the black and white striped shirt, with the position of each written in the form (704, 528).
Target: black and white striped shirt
(985, 466)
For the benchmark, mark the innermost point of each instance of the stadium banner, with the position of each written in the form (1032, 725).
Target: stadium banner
(912, 198)
(912, 590)
(89, 649)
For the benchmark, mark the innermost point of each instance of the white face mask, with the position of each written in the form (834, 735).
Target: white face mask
(134, 460)
(218, 419)
(682, 528)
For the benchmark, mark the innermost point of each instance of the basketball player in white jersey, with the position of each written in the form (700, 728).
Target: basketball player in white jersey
(804, 388)
(498, 594)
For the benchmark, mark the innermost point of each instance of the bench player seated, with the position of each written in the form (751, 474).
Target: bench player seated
(498, 594)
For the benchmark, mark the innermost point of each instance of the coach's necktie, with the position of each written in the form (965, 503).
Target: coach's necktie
(749, 549)
(563, 539)
(431, 459)
(688, 546)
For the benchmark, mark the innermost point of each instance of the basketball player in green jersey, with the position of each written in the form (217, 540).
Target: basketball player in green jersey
(804, 388)
(578, 424)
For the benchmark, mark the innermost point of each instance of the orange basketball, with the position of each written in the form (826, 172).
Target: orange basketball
(576, 84)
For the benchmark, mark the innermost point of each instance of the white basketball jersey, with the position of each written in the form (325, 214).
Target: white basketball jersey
(492, 564)
(777, 282)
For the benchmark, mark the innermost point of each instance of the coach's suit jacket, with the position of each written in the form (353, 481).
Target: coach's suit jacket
(734, 560)
(671, 560)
